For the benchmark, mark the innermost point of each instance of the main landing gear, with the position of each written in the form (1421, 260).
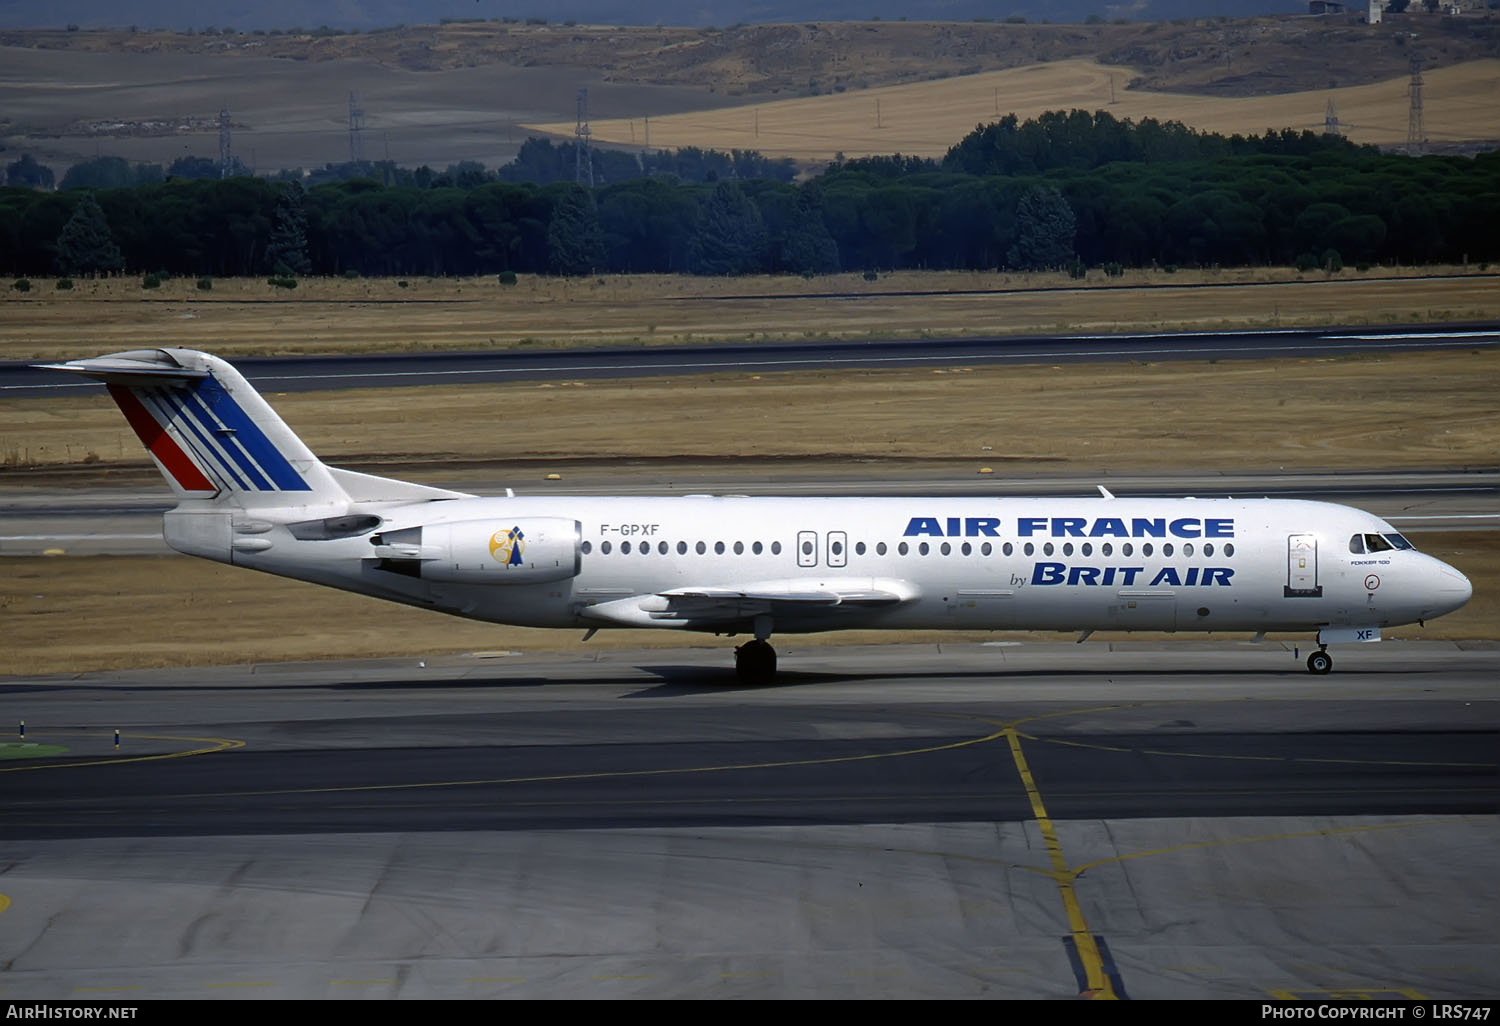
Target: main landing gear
(755, 661)
(1320, 662)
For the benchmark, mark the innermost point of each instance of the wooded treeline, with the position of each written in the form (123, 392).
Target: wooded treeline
(1067, 189)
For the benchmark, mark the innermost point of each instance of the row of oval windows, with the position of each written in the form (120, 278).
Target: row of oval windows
(923, 548)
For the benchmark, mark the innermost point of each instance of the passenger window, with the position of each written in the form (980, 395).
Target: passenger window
(625, 548)
(701, 548)
(859, 548)
(1229, 548)
(1067, 548)
(682, 548)
(757, 548)
(1146, 549)
(1009, 548)
(1030, 548)
(1047, 549)
(1107, 549)
(924, 548)
(739, 548)
(588, 547)
(718, 548)
(1208, 548)
(986, 549)
(837, 548)
(1127, 549)
(947, 549)
(1088, 549)
(880, 548)
(968, 549)
(807, 548)
(903, 548)
(1187, 549)
(604, 548)
(776, 548)
(1166, 550)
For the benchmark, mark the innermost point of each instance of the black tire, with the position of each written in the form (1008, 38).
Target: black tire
(755, 662)
(1319, 663)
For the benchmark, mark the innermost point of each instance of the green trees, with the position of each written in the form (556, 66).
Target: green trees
(1269, 199)
(803, 245)
(648, 224)
(286, 252)
(28, 174)
(193, 167)
(1045, 229)
(85, 246)
(730, 237)
(575, 242)
(110, 173)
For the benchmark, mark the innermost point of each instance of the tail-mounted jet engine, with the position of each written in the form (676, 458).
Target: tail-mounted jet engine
(533, 550)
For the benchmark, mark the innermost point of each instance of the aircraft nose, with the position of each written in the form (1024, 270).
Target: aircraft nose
(1451, 590)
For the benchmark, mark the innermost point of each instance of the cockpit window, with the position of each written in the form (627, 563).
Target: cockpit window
(1375, 543)
(1398, 540)
(1357, 544)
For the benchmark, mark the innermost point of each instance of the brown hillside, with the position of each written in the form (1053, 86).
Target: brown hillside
(1217, 56)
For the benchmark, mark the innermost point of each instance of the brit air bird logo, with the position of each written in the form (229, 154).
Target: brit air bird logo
(508, 546)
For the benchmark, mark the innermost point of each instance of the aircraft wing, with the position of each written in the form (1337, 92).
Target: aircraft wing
(785, 600)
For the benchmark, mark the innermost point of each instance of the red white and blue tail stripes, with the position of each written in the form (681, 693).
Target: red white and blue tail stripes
(203, 439)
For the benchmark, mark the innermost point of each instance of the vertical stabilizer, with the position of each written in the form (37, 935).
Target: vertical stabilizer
(211, 434)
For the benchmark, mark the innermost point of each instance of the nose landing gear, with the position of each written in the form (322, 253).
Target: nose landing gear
(1320, 662)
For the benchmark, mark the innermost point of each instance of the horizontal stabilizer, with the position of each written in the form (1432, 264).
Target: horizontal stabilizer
(369, 488)
(137, 367)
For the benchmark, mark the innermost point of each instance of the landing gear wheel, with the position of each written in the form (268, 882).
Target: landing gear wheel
(1319, 663)
(755, 662)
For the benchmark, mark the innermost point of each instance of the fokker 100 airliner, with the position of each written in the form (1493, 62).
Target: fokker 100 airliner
(251, 494)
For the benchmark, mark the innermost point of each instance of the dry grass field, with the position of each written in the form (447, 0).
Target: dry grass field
(927, 118)
(250, 317)
(1413, 410)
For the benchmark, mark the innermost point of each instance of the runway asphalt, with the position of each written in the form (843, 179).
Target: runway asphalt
(1181, 819)
(387, 370)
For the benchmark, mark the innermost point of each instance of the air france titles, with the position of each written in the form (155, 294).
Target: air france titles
(1090, 574)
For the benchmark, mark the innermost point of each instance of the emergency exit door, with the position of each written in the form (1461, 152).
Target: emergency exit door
(1302, 567)
(807, 548)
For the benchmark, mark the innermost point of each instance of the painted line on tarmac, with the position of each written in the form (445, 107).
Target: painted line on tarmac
(214, 744)
(1083, 947)
(950, 359)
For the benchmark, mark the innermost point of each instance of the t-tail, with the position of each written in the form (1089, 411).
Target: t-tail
(228, 457)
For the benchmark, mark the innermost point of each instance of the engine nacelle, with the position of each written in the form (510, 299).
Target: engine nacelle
(531, 550)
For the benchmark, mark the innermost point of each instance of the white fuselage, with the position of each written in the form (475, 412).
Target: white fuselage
(881, 563)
